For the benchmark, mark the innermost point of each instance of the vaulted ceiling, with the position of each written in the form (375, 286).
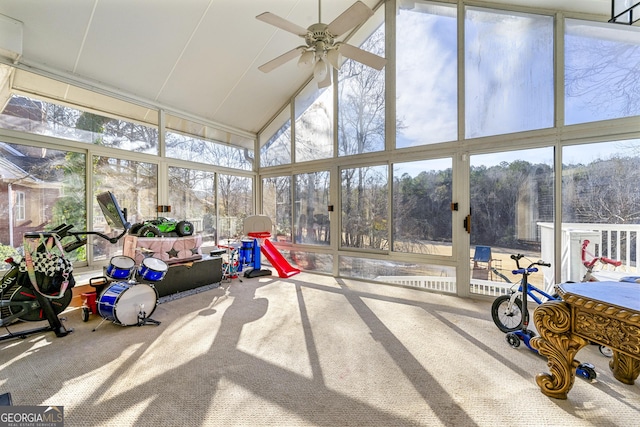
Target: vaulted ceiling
(197, 58)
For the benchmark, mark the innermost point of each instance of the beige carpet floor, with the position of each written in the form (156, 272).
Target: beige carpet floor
(306, 351)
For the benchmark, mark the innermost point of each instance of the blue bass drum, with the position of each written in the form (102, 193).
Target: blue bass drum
(127, 304)
(153, 269)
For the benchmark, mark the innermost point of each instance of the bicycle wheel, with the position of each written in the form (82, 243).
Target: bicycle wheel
(507, 320)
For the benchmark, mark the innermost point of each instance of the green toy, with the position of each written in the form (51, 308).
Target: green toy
(162, 227)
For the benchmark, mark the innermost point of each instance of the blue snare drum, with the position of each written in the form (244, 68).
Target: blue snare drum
(121, 267)
(127, 304)
(153, 269)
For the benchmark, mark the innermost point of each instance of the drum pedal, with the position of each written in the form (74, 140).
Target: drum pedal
(148, 320)
(143, 320)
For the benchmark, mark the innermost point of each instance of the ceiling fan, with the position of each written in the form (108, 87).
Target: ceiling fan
(322, 50)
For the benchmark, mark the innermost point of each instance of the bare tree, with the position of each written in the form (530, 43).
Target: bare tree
(605, 73)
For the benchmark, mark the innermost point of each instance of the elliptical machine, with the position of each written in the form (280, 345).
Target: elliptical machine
(23, 294)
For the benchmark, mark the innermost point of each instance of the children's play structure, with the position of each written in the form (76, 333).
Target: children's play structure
(258, 229)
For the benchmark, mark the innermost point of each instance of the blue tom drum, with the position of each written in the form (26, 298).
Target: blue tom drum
(153, 269)
(120, 267)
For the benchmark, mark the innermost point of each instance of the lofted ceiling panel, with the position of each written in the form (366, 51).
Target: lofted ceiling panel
(198, 58)
(135, 45)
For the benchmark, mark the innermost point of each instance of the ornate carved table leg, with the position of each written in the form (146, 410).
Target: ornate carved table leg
(625, 369)
(557, 343)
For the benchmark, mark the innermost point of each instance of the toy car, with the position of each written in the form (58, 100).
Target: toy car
(162, 227)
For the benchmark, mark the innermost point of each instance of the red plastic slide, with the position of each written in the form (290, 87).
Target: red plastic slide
(277, 260)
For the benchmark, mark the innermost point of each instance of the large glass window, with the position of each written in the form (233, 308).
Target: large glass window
(311, 195)
(508, 72)
(314, 124)
(235, 203)
(311, 261)
(600, 209)
(602, 71)
(276, 204)
(361, 102)
(276, 150)
(427, 74)
(40, 189)
(192, 197)
(194, 149)
(135, 185)
(422, 194)
(365, 202)
(46, 118)
(432, 277)
(511, 200)
(195, 142)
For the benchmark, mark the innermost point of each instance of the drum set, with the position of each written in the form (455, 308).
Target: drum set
(122, 299)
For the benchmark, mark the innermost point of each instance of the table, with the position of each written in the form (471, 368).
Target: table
(606, 313)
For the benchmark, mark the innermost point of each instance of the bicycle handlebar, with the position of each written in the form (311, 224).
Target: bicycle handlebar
(525, 270)
(531, 268)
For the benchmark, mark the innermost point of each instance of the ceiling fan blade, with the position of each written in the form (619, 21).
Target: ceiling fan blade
(355, 15)
(282, 23)
(281, 60)
(362, 56)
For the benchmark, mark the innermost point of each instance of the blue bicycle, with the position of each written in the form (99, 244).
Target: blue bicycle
(506, 310)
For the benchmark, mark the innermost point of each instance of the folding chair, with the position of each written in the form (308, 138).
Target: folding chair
(483, 263)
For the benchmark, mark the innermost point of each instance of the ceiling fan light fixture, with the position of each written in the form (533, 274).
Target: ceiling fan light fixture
(320, 70)
(322, 51)
(306, 59)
